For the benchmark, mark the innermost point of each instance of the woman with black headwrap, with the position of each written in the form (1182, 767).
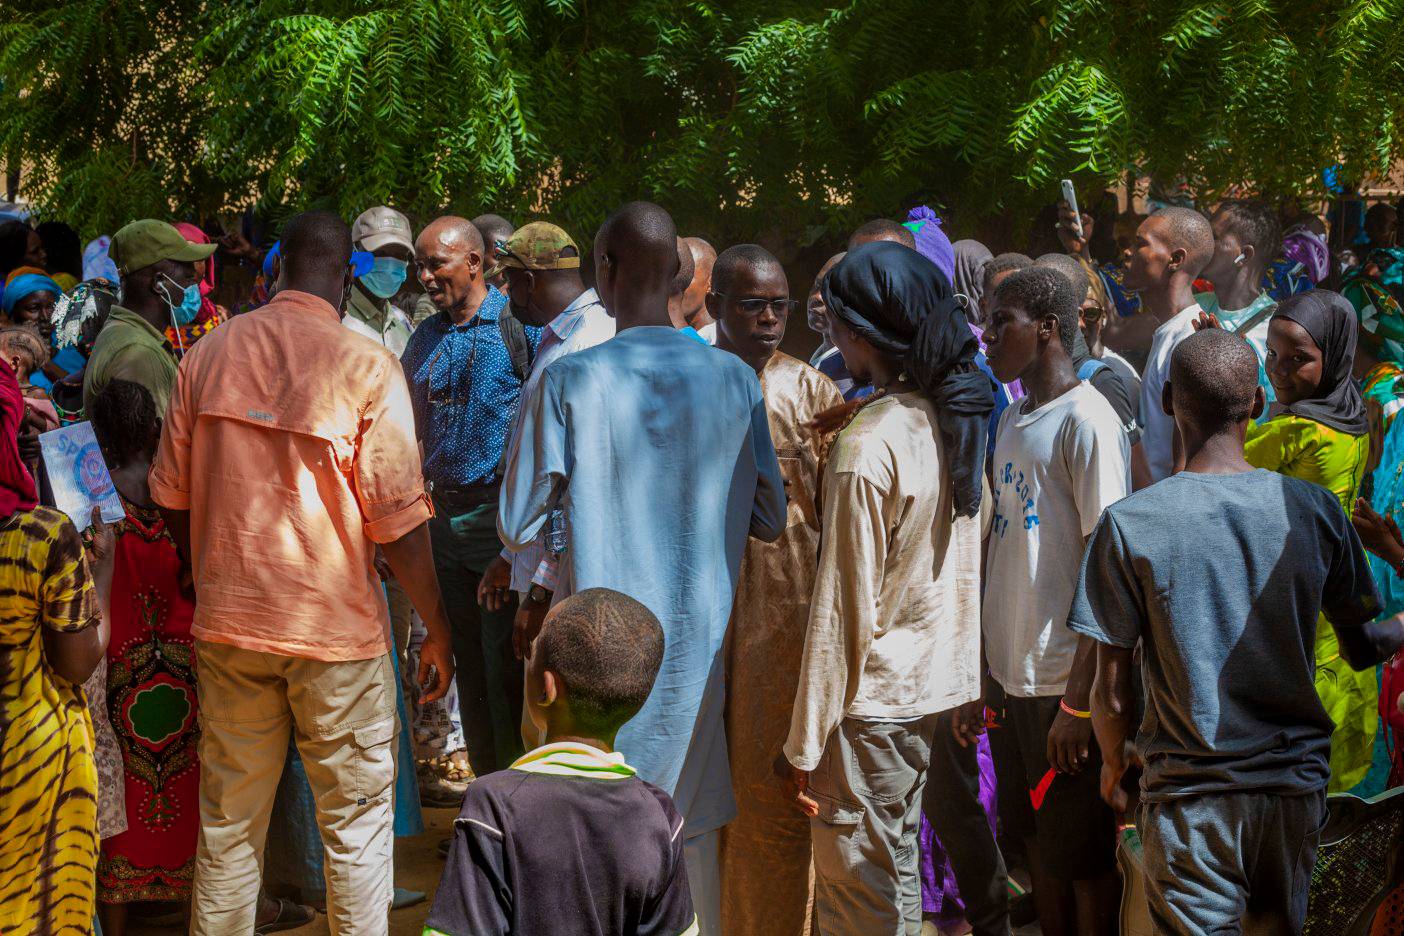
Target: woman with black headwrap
(1319, 433)
(894, 629)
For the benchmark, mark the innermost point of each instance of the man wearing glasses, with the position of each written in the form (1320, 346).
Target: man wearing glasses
(765, 849)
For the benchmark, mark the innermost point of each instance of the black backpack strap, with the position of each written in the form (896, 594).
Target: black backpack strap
(514, 336)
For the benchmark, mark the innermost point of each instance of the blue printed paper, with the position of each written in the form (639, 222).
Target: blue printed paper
(79, 476)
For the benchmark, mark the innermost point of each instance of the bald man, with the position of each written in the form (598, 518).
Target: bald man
(1172, 248)
(465, 365)
(694, 298)
(657, 450)
(279, 487)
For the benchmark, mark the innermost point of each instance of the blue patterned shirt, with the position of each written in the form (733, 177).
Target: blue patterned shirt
(465, 393)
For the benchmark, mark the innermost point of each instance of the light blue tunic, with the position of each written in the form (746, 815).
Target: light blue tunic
(658, 451)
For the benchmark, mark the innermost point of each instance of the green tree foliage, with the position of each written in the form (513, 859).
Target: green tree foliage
(748, 118)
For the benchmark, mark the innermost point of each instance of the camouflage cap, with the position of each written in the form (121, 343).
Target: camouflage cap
(539, 245)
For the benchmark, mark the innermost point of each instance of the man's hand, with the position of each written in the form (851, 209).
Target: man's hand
(1113, 770)
(1067, 231)
(968, 722)
(1069, 742)
(101, 545)
(1112, 793)
(492, 588)
(526, 625)
(1378, 534)
(796, 783)
(435, 667)
(29, 448)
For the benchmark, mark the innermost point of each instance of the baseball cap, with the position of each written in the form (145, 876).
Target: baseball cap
(380, 227)
(536, 246)
(142, 243)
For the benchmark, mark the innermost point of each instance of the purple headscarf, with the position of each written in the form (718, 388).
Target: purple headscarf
(932, 242)
(1305, 246)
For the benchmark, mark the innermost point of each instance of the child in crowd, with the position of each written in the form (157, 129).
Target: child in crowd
(1220, 572)
(517, 864)
(26, 352)
(1062, 456)
(150, 691)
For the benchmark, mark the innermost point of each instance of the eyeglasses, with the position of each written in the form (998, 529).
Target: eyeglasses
(754, 307)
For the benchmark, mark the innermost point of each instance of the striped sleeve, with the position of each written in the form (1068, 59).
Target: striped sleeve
(474, 897)
(669, 912)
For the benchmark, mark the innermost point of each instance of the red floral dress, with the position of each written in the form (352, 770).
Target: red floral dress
(151, 702)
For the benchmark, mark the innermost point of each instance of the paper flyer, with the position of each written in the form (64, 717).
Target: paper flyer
(79, 476)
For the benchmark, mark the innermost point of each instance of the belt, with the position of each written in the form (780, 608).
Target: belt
(464, 495)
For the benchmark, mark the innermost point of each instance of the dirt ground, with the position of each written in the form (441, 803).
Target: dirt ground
(417, 867)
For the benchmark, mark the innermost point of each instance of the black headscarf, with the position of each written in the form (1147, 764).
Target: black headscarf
(1330, 321)
(902, 304)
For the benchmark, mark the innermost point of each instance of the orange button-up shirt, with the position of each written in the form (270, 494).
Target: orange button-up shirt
(290, 440)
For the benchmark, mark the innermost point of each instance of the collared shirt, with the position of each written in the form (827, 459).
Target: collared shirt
(569, 842)
(657, 450)
(894, 626)
(583, 324)
(1159, 438)
(130, 348)
(291, 442)
(465, 393)
(380, 320)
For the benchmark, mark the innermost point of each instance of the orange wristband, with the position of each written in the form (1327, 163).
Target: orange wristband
(1075, 713)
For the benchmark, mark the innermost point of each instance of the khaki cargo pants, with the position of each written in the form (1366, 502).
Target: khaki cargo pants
(343, 718)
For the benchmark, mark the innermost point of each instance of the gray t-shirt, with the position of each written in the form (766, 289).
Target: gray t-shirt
(1223, 577)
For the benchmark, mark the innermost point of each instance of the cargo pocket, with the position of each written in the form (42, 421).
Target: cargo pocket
(374, 767)
(836, 831)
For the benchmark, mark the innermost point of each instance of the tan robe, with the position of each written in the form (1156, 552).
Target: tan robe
(765, 851)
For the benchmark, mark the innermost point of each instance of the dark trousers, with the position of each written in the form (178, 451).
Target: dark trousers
(951, 803)
(489, 676)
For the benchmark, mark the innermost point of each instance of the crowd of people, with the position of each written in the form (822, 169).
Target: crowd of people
(1032, 551)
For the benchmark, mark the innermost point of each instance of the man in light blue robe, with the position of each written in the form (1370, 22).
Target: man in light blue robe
(657, 451)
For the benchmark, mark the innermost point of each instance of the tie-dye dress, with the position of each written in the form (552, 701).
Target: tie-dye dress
(48, 781)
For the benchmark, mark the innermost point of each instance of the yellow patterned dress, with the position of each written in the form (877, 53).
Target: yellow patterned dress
(48, 781)
(1303, 448)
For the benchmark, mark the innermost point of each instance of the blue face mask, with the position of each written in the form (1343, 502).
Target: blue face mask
(386, 277)
(189, 307)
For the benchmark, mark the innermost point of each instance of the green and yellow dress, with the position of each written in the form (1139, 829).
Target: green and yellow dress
(48, 780)
(1304, 448)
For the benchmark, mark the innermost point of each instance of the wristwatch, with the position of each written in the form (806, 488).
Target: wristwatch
(537, 594)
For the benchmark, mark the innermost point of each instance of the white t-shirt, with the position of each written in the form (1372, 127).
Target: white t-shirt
(1158, 441)
(1056, 469)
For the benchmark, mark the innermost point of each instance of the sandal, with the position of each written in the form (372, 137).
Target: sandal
(290, 916)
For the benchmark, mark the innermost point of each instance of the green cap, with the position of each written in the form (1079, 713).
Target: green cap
(539, 245)
(142, 243)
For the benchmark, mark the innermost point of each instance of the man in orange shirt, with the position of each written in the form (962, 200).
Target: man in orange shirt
(288, 454)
